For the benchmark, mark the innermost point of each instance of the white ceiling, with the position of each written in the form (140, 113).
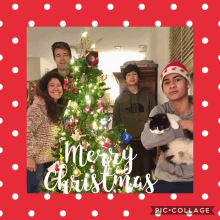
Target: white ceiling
(40, 39)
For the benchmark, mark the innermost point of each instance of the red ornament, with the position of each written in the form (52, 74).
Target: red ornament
(88, 109)
(105, 146)
(182, 70)
(65, 84)
(68, 126)
(56, 146)
(99, 104)
(57, 167)
(174, 68)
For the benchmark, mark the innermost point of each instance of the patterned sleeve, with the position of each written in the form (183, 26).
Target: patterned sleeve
(35, 115)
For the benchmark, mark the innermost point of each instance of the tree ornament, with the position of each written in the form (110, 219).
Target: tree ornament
(85, 145)
(92, 58)
(92, 168)
(88, 109)
(76, 172)
(68, 127)
(95, 126)
(83, 78)
(100, 108)
(76, 136)
(107, 143)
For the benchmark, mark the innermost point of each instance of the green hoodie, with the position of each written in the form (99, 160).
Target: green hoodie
(132, 110)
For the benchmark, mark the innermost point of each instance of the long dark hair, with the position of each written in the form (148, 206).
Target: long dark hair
(54, 110)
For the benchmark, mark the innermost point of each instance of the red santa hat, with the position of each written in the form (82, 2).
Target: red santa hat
(175, 67)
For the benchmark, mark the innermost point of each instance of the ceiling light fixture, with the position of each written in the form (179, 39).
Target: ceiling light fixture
(117, 47)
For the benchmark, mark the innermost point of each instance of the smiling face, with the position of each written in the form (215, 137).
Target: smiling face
(55, 89)
(61, 58)
(132, 78)
(175, 86)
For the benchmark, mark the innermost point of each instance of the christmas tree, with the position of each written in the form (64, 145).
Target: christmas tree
(90, 157)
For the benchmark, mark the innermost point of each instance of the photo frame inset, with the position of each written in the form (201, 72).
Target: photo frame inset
(14, 20)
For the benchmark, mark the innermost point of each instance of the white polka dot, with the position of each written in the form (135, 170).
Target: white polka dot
(94, 213)
(15, 6)
(173, 6)
(15, 40)
(110, 6)
(205, 167)
(1, 120)
(31, 213)
(110, 196)
(1, 213)
(1, 183)
(47, 6)
(15, 133)
(158, 213)
(205, 133)
(219, 120)
(219, 86)
(1, 23)
(15, 167)
(1, 150)
(205, 40)
(219, 213)
(189, 213)
(126, 23)
(157, 23)
(95, 23)
(219, 150)
(205, 6)
(62, 23)
(189, 23)
(1, 86)
(173, 196)
(15, 196)
(205, 103)
(141, 196)
(78, 6)
(205, 70)
(205, 196)
(219, 183)
(1, 57)
(219, 23)
(141, 6)
(47, 196)
(62, 213)
(126, 213)
(31, 23)
(15, 103)
(15, 69)
(78, 196)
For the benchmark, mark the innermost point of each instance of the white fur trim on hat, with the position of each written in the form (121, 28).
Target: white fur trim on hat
(174, 69)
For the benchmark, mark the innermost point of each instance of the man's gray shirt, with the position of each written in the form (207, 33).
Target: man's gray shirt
(167, 171)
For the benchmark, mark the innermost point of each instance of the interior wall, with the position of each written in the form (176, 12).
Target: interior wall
(158, 51)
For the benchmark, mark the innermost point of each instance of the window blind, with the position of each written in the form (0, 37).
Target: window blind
(181, 46)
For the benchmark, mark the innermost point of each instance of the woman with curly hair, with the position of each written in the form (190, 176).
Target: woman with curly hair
(43, 124)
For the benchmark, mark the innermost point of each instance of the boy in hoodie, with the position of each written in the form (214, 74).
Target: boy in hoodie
(132, 109)
(175, 82)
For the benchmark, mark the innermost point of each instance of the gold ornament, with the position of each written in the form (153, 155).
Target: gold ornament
(77, 172)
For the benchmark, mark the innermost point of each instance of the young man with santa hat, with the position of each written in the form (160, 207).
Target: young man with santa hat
(175, 82)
